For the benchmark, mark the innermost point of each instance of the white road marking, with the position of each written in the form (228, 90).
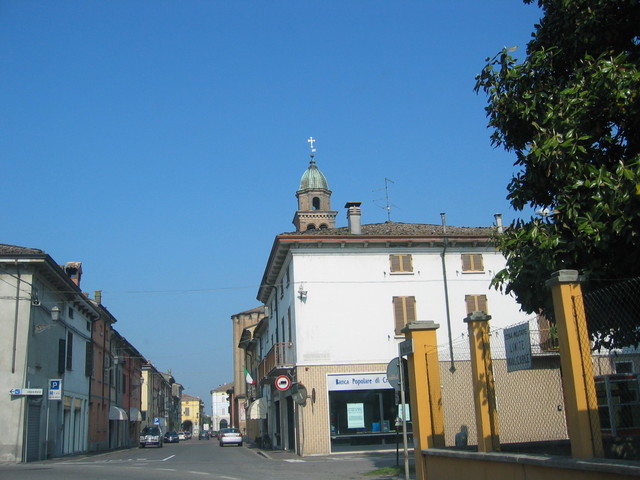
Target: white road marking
(171, 456)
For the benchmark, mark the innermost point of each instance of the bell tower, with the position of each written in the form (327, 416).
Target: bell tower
(314, 199)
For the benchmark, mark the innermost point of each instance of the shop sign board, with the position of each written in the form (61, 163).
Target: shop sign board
(357, 381)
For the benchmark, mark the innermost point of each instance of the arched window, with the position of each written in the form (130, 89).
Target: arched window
(324, 226)
(311, 226)
(316, 203)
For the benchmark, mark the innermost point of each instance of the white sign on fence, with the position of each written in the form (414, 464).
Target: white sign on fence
(517, 343)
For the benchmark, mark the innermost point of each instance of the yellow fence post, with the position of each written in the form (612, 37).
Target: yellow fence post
(577, 368)
(424, 390)
(484, 392)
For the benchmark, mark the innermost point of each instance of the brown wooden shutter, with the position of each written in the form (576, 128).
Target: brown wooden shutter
(472, 262)
(404, 309)
(407, 263)
(395, 263)
(476, 303)
(398, 312)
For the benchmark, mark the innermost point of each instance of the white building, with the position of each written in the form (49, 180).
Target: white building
(220, 407)
(337, 299)
(47, 324)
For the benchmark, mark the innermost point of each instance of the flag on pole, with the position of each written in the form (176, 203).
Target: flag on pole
(248, 378)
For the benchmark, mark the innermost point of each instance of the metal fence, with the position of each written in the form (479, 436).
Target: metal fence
(530, 401)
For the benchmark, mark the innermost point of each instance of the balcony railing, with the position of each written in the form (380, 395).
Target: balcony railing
(280, 356)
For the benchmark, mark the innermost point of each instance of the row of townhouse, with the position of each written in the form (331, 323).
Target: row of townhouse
(310, 363)
(70, 382)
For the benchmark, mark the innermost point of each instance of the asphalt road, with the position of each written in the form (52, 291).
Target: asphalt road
(200, 460)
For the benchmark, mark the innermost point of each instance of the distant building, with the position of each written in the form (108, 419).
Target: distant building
(220, 407)
(192, 409)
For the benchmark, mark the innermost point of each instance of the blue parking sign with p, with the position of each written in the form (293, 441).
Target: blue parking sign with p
(55, 389)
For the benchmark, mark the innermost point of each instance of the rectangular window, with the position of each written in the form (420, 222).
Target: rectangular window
(186, 411)
(69, 351)
(476, 303)
(404, 311)
(401, 263)
(472, 262)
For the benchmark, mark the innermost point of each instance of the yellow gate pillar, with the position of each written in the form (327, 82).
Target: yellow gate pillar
(484, 392)
(578, 381)
(424, 390)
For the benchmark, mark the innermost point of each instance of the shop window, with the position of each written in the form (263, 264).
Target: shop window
(362, 419)
(476, 303)
(401, 263)
(404, 310)
(472, 262)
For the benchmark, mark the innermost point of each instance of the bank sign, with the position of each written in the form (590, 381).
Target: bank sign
(357, 381)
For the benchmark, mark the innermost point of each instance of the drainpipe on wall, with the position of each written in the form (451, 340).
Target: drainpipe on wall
(446, 289)
(15, 320)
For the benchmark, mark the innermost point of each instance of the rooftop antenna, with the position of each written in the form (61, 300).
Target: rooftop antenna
(388, 205)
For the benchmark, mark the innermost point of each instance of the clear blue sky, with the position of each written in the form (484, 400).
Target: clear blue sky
(161, 143)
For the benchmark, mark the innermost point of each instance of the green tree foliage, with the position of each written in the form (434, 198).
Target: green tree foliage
(570, 112)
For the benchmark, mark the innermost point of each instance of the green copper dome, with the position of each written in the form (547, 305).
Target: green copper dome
(313, 178)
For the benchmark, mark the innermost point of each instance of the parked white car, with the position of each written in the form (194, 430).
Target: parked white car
(230, 436)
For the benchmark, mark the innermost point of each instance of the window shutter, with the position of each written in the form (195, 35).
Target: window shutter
(88, 366)
(398, 311)
(404, 309)
(62, 351)
(472, 262)
(401, 263)
(476, 303)
(407, 263)
(69, 351)
(395, 263)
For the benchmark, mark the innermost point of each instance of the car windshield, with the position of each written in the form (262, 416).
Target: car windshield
(150, 431)
(230, 430)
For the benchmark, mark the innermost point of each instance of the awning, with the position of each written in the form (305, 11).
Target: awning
(135, 415)
(117, 413)
(257, 409)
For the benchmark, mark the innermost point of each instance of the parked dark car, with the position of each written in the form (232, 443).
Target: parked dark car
(151, 436)
(171, 437)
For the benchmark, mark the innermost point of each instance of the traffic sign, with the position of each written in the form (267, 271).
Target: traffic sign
(283, 383)
(55, 389)
(25, 391)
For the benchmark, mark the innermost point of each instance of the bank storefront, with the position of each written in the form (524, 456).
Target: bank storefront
(363, 412)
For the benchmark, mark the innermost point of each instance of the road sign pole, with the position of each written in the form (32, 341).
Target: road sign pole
(404, 413)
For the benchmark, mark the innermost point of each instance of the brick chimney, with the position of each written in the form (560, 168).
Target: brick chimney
(74, 270)
(354, 215)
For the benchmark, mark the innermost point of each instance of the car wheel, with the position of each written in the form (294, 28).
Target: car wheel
(221, 444)
(240, 444)
(142, 445)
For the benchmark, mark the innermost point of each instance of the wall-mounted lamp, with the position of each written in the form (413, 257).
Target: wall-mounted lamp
(55, 313)
(302, 293)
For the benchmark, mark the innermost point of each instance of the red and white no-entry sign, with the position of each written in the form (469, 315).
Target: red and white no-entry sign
(283, 383)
